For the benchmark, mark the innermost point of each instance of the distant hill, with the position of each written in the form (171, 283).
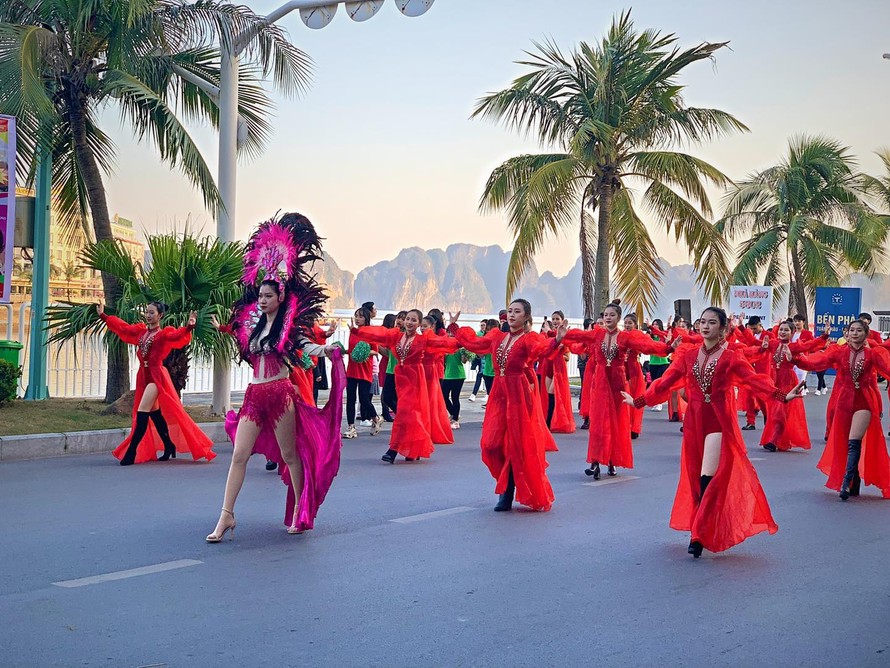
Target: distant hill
(473, 279)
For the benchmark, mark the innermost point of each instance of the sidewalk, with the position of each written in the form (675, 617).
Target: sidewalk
(39, 446)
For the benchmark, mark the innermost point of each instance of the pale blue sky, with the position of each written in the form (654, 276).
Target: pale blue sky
(381, 154)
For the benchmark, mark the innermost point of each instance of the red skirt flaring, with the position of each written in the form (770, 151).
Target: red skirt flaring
(555, 370)
(410, 430)
(184, 433)
(636, 381)
(514, 437)
(609, 439)
(439, 420)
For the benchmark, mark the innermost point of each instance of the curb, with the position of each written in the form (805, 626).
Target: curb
(41, 446)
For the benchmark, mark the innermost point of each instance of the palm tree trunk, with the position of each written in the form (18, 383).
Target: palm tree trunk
(118, 378)
(601, 280)
(588, 265)
(797, 297)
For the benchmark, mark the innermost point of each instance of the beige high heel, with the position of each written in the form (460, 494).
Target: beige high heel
(213, 538)
(293, 528)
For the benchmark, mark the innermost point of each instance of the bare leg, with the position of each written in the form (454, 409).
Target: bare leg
(711, 456)
(859, 425)
(245, 438)
(285, 434)
(149, 401)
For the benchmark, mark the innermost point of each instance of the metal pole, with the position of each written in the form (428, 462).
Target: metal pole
(37, 388)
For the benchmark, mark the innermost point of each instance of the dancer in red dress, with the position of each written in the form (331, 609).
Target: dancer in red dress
(514, 435)
(411, 428)
(719, 497)
(556, 396)
(856, 449)
(609, 440)
(786, 426)
(156, 398)
(753, 335)
(636, 381)
(271, 323)
(434, 372)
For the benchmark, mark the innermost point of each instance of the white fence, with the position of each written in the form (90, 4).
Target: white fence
(78, 369)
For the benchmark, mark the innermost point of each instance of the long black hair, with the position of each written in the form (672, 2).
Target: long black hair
(389, 320)
(435, 316)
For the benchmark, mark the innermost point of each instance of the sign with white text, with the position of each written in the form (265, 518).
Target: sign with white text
(836, 308)
(749, 300)
(7, 204)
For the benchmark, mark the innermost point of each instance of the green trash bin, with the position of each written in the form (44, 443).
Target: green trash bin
(9, 351)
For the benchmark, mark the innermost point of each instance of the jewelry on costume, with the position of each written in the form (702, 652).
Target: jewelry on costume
(503, 351)
(402, 350)
(611, 350)
(857, 365)
(145, 343)
(704, 373)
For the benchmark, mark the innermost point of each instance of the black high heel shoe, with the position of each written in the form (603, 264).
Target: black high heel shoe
(169, 452)
(389, 456)
(611, 471)
(695, 548)
(594, 470)
(505, 500)
(770, 447)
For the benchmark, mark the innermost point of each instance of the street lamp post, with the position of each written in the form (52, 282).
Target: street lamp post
(315, 14)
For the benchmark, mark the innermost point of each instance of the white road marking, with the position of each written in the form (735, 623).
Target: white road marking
(611, 481)
(432, 515)
(131, 573)
(756, 459)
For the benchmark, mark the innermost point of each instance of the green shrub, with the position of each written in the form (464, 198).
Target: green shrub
(9, 380)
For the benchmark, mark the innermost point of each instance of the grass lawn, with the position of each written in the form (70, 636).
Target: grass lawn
(64, 415)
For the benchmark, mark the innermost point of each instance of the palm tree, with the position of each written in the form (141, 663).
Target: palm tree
(611, 111)
(63, 61)
(805, 221)
(70, 271)
(186, 273)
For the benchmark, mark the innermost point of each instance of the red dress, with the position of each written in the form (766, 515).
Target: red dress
(636, 381)
(302, 378)
(411, 428)
(514, 434)
(856, 389)
(734, 506)
(609, 440)
(786, 424)
(151, 353)
(553, 367)
(434, 371)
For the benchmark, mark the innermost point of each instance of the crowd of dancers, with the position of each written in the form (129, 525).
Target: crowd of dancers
(702, 373)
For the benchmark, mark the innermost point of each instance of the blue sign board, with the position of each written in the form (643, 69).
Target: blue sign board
(835, 308)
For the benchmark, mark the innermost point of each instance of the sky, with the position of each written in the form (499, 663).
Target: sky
(381, 154)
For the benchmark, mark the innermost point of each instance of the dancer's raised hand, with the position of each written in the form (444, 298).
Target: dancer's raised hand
(797, 392)
(100, 308)
(193, 319)
(453, 317)
(214, 321)
(561, 330)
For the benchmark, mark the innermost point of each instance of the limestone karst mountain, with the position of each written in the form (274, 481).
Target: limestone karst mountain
(473, 278)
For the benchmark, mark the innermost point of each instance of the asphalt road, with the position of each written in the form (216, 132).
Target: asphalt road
(601, 579)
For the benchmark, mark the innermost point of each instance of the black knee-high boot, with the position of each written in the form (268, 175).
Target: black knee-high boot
(136, 438)
(696, 548)
(505, 500)
(551, 406)
(854, 449)
(164, 433)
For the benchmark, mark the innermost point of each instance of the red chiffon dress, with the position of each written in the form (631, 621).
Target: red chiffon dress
(636, 381)
(514, 434)
(609, 440)
(734, 506)
(589, 369)
(410, 435)
(751, 404)
(856, 388)
(676, 403)
(303, 378)
(786, 424)
(434, 371)
(552, 368)
(152, 348)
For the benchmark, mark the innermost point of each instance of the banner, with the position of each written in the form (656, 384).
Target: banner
(748, 300)
(7, 204)
(836, 307)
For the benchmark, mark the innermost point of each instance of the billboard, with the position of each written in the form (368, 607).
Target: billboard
(7, 204)
(836, 307)
(748, 300)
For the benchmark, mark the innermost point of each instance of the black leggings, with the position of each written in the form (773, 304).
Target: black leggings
(389, 398)
(363, 388)
(451, 391)
(820, 375)
(656, 371)
(478, 383)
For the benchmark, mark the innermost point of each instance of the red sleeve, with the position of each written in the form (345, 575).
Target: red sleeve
(384, 336)
(659, 390)
(481, 345)
(759, 384)
(582, 336)
(807, 346)
(226, 329)
(806, 335)
(874, 337)
(816, 361)
(178, 337)
(641, 342)
(745, 335)
(881, 360)
(540, 345)
(123, 330)
(659, 333)
(442, 344)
